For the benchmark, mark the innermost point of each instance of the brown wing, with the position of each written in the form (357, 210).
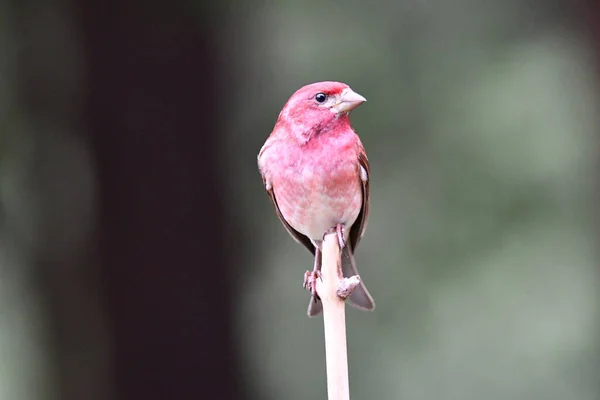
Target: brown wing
(300, 238)
(360, 225)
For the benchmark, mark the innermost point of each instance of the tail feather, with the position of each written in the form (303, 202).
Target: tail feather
(360, 297)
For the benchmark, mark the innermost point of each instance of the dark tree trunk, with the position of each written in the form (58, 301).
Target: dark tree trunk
(152, 109)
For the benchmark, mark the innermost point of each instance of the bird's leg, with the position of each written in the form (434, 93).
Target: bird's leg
(310, 277)
(339, 230)
(340, 234)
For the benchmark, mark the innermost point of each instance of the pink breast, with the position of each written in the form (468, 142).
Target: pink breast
(318, 189)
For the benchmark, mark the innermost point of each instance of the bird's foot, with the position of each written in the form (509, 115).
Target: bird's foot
(339, 229)
(310, 282)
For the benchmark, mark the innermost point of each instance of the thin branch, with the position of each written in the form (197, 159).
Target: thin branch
(332, 288)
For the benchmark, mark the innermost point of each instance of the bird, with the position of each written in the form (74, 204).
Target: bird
(316, 172)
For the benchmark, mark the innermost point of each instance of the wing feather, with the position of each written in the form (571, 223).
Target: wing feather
(360, 225)
(300, 238)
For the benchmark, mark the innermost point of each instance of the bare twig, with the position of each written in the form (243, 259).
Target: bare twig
(333, 289)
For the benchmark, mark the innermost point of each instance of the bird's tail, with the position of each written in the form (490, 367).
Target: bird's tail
(360, 297)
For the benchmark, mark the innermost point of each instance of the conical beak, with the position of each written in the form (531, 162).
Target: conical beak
(349, 100)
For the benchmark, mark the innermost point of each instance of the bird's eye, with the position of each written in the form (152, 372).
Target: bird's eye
(321, 97)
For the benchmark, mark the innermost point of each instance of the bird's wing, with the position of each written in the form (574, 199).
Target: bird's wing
(300, 238)
(359, 227)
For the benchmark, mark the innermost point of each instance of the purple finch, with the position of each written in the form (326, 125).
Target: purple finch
(315, 170)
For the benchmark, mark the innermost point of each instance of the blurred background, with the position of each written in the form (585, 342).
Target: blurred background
(141, 258)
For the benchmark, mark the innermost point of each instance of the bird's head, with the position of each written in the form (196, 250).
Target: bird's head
(318, 107)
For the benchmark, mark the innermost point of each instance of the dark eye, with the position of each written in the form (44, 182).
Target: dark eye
(321, 97)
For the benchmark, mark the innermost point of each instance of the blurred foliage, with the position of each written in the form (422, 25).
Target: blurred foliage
(481, 130)
(46, 206)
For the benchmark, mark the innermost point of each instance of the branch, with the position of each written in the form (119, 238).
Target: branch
(333, 289)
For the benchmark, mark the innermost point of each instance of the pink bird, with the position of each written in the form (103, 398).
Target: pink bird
(316, 172)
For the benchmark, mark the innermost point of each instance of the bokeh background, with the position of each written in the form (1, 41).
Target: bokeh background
(140, 256)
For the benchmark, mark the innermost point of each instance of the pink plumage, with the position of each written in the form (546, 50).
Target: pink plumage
(316, 172)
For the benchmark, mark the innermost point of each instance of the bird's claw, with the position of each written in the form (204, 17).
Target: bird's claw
(310, 283)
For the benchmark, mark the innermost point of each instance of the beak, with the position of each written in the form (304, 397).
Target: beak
(349, 100)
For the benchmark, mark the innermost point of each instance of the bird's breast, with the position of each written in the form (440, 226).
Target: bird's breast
(319, 187)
